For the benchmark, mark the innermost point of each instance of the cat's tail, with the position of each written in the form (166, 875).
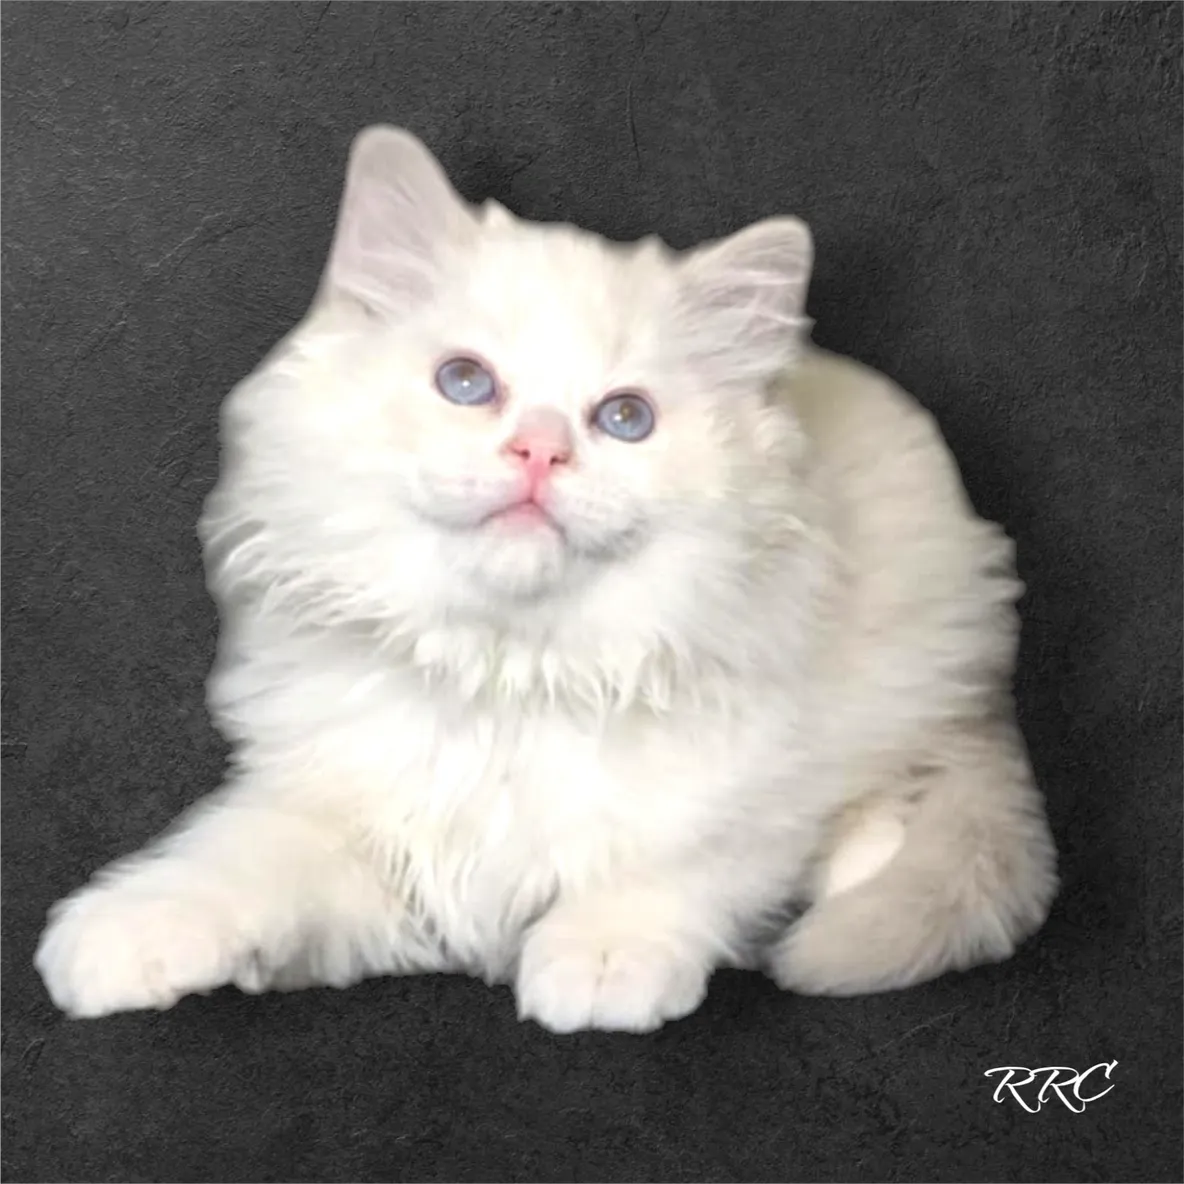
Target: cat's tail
(953, 866)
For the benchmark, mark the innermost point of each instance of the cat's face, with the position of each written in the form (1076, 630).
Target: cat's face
(538, 405)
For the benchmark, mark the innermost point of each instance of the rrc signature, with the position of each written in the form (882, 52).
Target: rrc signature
(1072, 1087)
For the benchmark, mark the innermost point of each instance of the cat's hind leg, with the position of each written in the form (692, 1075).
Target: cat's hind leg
(953, 866)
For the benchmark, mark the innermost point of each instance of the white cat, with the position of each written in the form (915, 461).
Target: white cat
(579, 616)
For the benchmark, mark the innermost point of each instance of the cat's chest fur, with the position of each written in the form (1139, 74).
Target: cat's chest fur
(480, 812)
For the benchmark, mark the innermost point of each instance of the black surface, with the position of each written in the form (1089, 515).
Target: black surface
(996, 194)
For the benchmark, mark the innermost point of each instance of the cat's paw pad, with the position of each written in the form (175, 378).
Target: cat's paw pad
(111, 949)
(569, 981)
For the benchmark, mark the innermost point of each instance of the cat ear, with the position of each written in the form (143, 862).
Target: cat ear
(741, 304)
(399, 219)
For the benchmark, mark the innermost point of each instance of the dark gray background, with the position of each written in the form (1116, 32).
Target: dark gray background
(995, 190)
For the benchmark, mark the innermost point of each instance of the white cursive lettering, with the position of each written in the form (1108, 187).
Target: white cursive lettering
(1061, 1080)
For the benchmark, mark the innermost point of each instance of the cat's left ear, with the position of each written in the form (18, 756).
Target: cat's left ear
(400, 220)
(741, 303)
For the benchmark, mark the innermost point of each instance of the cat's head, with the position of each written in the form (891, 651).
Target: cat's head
(515, 412)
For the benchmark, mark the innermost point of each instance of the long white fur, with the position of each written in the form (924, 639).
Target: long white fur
(766, 657)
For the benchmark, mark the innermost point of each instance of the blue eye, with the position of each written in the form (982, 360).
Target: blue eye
(463, 381)
(624, 417)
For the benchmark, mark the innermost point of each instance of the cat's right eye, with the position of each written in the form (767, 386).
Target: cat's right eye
(466, 381)
(625, 416)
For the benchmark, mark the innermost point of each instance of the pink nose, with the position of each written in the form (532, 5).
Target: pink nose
(539, 453)
(541, 442)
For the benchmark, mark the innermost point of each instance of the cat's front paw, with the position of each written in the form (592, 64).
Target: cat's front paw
(113, 948)
(571, 979)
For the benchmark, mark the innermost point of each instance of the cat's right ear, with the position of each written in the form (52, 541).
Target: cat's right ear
(399, 219)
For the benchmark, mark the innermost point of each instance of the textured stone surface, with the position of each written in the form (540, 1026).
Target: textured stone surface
(995, 190)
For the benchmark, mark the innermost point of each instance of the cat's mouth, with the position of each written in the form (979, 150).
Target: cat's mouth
(525, 516)
(542, 517)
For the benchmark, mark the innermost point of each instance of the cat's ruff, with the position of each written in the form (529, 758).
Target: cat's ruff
(762, 653)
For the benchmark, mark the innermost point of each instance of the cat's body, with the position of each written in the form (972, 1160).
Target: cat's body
(760, 655)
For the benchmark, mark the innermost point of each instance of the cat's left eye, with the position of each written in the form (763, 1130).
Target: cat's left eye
(626, 416)
(466, 381)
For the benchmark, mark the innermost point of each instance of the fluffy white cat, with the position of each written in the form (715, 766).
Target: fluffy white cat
(579, 616)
